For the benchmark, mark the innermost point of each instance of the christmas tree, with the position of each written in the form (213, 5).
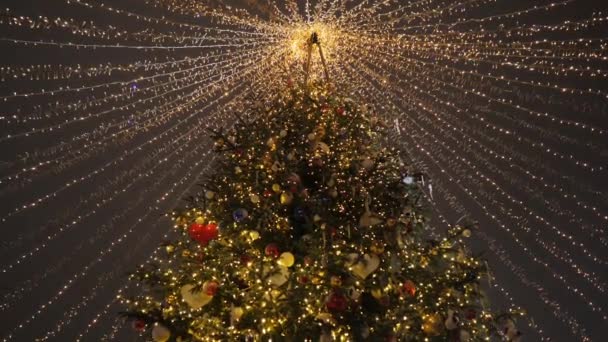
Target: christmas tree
(310, 229)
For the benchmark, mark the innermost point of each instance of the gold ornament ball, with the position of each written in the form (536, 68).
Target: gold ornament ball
(209, 194)
(286, 198)
(286, 259)
(466, 233)
(170, 248)
(254, 198)
(276, 188)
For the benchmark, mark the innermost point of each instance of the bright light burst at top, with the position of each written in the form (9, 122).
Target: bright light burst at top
(105, 106)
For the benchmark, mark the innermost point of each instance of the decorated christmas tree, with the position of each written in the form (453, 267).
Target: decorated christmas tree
(311, 229)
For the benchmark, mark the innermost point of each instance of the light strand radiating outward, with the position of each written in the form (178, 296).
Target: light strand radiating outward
(107, 107)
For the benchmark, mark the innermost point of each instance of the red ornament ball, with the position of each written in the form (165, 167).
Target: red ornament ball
(272, 250)
(211, 288)
(203, 233)
(340, 111)
(336, 302)
(408, 289)
(138, 325)
(196, 231)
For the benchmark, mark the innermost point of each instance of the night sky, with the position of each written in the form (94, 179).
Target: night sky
(512, 138)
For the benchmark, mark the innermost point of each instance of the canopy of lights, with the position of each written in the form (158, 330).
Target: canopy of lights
(106, 106)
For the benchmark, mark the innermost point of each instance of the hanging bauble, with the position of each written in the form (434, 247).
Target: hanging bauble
(408, 180)
(408, 289)
(283, 133)
(311, 136)
(432, 324)
(254, 198)
(367, 163)
(451, 322)
(240, 214)
(209, 194)
(321, 147)
(211, 287)
(199, 220)
(276, 188)
(272, 250)
(286, 259)
(377, 293)
(336, 302)
(363, 267)
(195, 231)
(195, 300)
(271, 143)
(278, 277)
(286, 198)
(254, 235)
(209, 232)
(138, 325)
(160, 333)
(340, 111)
(235, 314)
(466, 233)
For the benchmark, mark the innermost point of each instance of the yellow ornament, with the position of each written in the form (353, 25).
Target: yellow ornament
(254, 235)
(286, 198)
(276, 188)
(209, 194)
(286, 259)
(466, 233)
(160, 333)
(377, 293)
(254, 198)
(170, 248)
(200, 220)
